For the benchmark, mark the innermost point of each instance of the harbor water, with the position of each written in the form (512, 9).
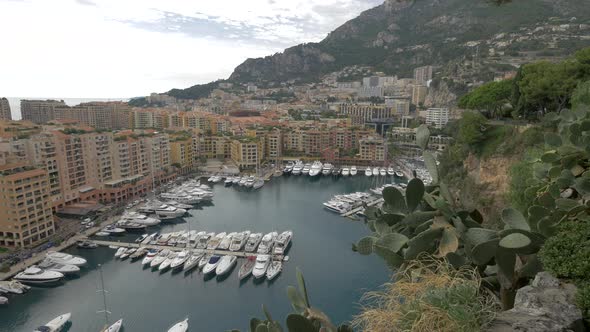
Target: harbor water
(147, 300)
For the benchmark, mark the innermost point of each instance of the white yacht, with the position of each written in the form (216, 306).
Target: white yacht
(35, 275)
(399, 174)
(297, 168)
(192, 262)
(140, 219)
(160, 258)
(316, 168)
(236, 180)
(375, 171)
(382, 171)
(228, 182)
(13, 287)
(63, 258)
(56, 324)
(390, 171)
(226, 242)
(180, 326)
(149, 257)
(113, 230)
(179, 261)
(327, 169)
(140, 252)
(306, 169)
(120, 252)
(216, 240)
(353, 170)
(226, 263)
(238, 241)
(3, 300)
(368, 171)
(262, 263)
(116, 327)
(274, 269)
(243, 181)
(288, 168)
(150, 206)
(258, 184)
(211, 264)
(250, 182)
(253, 241)
(247, 267)
(166, 263)
(50, 265)
(204, 260)
(166, 211)
(337, 206)
(282, 242)
(267, 242)
(128, 253)
(203, 240)
(345, 171)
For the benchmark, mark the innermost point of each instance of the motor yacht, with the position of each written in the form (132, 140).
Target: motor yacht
(140, 219)
(259, 183)
(327, 169)
(336, 171)
(274, 269)
(128, 253)
(288, 168)
(306, 169)
(36, 275)
(150, 206)
(226, 242)
(243, 181)
(375, 171)
(192, 262)
(297, 168)
(247, 268)
(399, 174)
(160, 258)
(236, 180)
(130, 226)
(166, 211)
(179, 205)
(353, 170)
(86, 245)
(56, 324)
(316, 168)
(113, 230)
(368, 172)
(116, 327)
(226, 263)
(345, 171)
(261, 265)
(180, 260)
(216, 240)
(149, 257)
(120, 252)
(138, 254)
(180, 326)
(204, 260)
(102, 234)
(13, 287)
(167, 262)
(267, 242)
(204, 240)
(390, 171)
(337, 206)
(63, 258)
(228, 182)
(211, 264)
(382, 171)
(282, 242)
(142, 238)
(3, 300)
(253, 241)
(64, 269)
(250, 182)
(238, 241)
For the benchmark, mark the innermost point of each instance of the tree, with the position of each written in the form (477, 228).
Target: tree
(490, 97)
(471, 128)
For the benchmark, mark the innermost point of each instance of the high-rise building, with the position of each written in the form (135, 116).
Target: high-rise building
(373, 149)
(361, 113)
(423, 74)
(419, 93)
(437, 117)
(39, 111)
(26, 218)
(181, 154)
(5, 109)
(247, 152)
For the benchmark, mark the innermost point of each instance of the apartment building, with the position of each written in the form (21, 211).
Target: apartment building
(5, 109)
(212, 147)
(419, 93)
(182, 154)
(423, 74)
(362, 113)
(247, 152)
(437, 117)
(26, 218)
(39, 111)
(373, 149)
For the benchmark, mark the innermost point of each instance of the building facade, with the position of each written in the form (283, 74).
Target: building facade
(437, 117)
(5, 109)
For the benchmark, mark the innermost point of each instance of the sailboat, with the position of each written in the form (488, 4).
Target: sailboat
(118, 324)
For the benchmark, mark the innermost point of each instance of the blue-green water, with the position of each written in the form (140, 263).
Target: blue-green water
(149, 301)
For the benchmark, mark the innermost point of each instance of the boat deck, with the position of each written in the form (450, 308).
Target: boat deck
(360, 208)
(160, 247)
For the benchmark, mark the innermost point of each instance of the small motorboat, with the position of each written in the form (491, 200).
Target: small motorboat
(128, 253)
(180, 259)
(399, 174)
(86, 245)
(3, 300)
(115, 327)
(63, 258)
(282, 242)
(336, 171)
(345, 171)
(267, 242)
(390, 171)
(375, 171)
(253, 242)
(226, 263)
(102, 234)
(167, 262)
(226, 242)
(180, 326)
(259, 183)
(192, 262)
(215, 241)
(238, 241)
(112, 230)
(228, 182)
(13, 287)
(260, 266)
(274, 269)
(50, 265)
(120, 252)
(141, 238)
(368, 172)
(55, 324)
(204, 260)
(138, 254)
(382, 171)
(149, 257)
(211, 264)
(353, 170)
(160, 258)
(247, 267)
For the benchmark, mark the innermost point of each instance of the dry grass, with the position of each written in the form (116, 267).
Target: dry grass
(428, 295)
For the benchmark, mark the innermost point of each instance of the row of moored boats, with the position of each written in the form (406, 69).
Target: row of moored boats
(60, 322)
(316, 168)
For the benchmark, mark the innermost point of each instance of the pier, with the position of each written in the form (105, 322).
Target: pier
(201, 251)
(360, 208)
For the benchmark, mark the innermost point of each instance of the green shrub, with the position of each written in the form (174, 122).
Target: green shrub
(583, 298)
(567, 254)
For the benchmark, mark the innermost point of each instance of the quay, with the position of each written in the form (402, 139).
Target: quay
(360, 208)
(161, 247)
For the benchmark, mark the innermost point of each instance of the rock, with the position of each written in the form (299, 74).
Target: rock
(545, 306)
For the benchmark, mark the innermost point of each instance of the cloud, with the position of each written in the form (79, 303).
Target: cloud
(113, 48)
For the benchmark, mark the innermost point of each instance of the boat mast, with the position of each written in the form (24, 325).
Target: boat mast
(104, 296)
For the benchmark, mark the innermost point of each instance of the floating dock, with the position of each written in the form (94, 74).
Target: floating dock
(360, 208)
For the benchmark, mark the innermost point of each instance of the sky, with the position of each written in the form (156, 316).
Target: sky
(127, 48)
